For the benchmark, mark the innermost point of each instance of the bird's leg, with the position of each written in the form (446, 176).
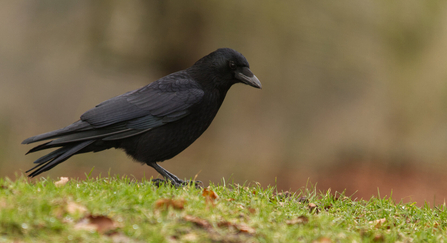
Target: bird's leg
(172, 178)
(166, 174)
(178, 180)
(185, 183)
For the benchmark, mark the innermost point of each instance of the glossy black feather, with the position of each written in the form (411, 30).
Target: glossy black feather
(57, 157)
(168, 95)
(153, 123)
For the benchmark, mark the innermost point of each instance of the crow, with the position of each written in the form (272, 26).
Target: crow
(153, 123)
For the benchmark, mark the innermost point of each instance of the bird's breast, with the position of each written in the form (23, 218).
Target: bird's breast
(168, 140)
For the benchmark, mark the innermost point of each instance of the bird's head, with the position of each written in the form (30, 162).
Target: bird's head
(228, 67)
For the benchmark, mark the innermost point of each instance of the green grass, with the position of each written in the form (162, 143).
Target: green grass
(39, 211)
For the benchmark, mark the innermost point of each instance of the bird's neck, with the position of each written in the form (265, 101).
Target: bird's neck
(209, 81)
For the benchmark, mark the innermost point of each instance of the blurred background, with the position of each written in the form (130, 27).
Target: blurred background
(354, 92)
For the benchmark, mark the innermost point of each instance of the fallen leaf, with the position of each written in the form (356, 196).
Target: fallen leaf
(300, 220)
(62, 181)
(377, 223)
(120, 238)
(74, 208)
(379, 238)
(190, 237)
(252, 210)
(165, 203)
(322, 240)
(85, 224)
(99, 223)
(240, 227)
(198, 221)
(224, 224)
(312, 205)
(245, 228)
(313, 208)
(210, 196)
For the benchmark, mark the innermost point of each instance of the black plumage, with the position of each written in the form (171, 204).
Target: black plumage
(153, 123)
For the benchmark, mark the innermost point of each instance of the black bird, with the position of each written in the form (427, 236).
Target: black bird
(153, 123)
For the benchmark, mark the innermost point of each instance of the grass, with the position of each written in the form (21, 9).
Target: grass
(115, 209)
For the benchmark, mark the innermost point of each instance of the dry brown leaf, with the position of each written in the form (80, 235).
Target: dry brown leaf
(100, 223)
(224, 224)
(62, 181)
(165, 203)
(74, 208)
(300, 220)
(322, 240)
(251, 210)
(190, 237)
(120, 238)
(198, 221)
(379, 238)
(312, 205)
(84, 224)
(377, 223)
(210, 196)
(245, 228)
(313, 208)
(240, 227)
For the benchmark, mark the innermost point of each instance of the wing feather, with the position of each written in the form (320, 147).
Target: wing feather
(165, 100)
(169, 95)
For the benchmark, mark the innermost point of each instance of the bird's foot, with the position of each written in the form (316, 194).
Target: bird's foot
(180, 183)
(158, 182)
(197, 184)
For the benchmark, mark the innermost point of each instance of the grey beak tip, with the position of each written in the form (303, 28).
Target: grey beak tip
(247, 77)
(256, 82)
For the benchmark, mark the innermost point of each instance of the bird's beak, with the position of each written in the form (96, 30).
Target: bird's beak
(247, 77)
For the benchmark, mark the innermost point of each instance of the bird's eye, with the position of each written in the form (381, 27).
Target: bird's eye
(232, 65)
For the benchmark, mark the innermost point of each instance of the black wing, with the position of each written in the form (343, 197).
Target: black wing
(165, 100)
(167, 96)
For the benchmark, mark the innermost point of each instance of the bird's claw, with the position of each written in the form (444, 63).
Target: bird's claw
(159, 182)
(197, 184)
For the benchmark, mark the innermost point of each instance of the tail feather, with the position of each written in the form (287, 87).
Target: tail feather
(75, 127)
(52, 155)
(38, 148)
(56, 157)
